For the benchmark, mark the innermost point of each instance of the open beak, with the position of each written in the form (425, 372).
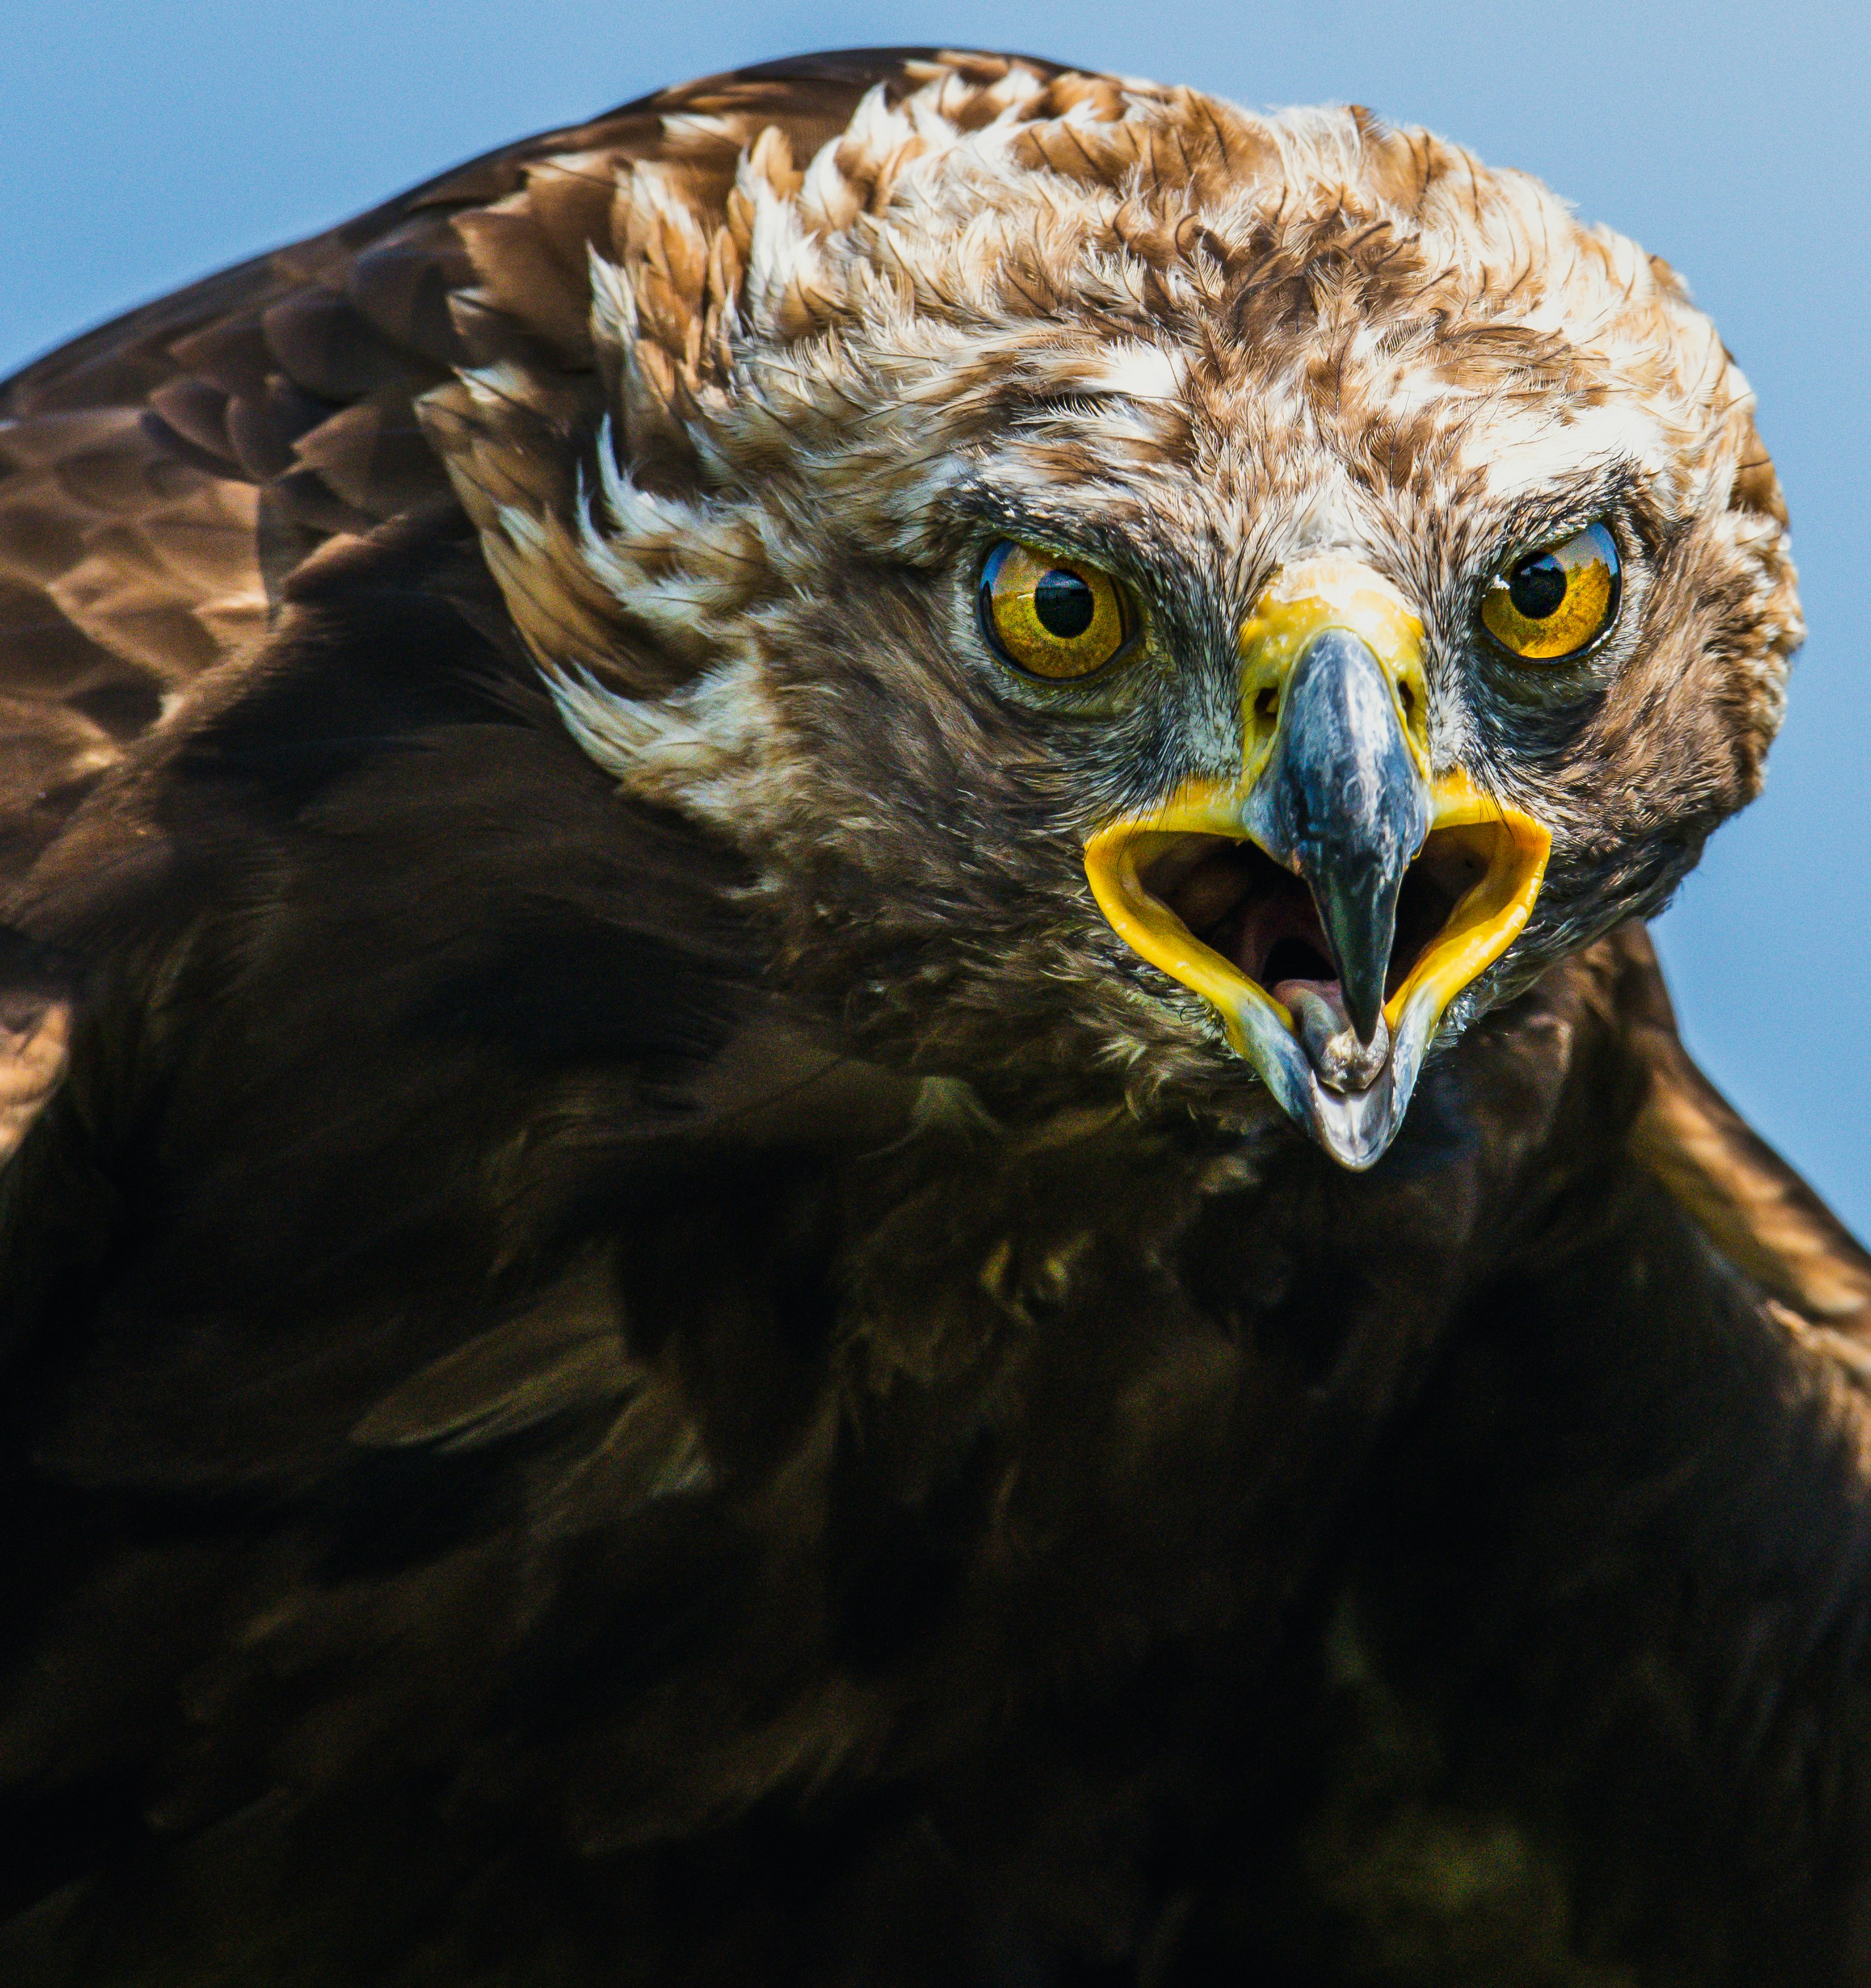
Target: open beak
(1333, 901)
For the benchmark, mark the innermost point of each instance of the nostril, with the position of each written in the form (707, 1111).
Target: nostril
(1266, 704)
(1407, 697)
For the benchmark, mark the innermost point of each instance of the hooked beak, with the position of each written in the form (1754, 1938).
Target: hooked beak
(1331, 902)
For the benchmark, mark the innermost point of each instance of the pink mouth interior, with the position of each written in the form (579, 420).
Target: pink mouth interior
(1237, 900)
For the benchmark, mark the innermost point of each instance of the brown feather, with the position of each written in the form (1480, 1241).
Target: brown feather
(1754, 1208)
(245, 369)
(634, 1349)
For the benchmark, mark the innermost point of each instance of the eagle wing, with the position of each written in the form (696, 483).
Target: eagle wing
(1754, 1207)
(164, 478)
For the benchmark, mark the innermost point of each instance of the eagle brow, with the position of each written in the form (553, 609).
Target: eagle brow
(1535, 516)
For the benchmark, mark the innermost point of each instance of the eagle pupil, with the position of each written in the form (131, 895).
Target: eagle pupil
(1064, 604)
(1537, 586)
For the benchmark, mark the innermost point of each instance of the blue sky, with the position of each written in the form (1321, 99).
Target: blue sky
(141, 145)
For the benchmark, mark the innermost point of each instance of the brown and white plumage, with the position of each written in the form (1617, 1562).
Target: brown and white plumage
(639, 1347)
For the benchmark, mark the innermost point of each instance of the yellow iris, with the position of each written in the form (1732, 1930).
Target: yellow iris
(1553, 603)
(1051, 616)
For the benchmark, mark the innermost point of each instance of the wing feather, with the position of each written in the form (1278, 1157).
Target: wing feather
(163, 476)
(1750, 1203)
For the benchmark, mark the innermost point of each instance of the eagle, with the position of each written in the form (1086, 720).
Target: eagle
(837, 1145)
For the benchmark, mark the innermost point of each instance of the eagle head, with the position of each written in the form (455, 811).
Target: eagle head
(1165, 603)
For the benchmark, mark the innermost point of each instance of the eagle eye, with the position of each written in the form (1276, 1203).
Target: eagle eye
(1052, 616)
(1554, 603)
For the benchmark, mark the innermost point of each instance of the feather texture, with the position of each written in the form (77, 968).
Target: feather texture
(635, 1350)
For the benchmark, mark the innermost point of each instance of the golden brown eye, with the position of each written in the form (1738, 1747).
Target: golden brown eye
(1050, 616)
(1557, 601)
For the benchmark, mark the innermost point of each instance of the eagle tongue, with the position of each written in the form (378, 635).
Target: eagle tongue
(1340, 1062)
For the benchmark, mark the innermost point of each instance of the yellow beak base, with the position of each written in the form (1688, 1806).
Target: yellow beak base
(1335, 788)
(1505, 849)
